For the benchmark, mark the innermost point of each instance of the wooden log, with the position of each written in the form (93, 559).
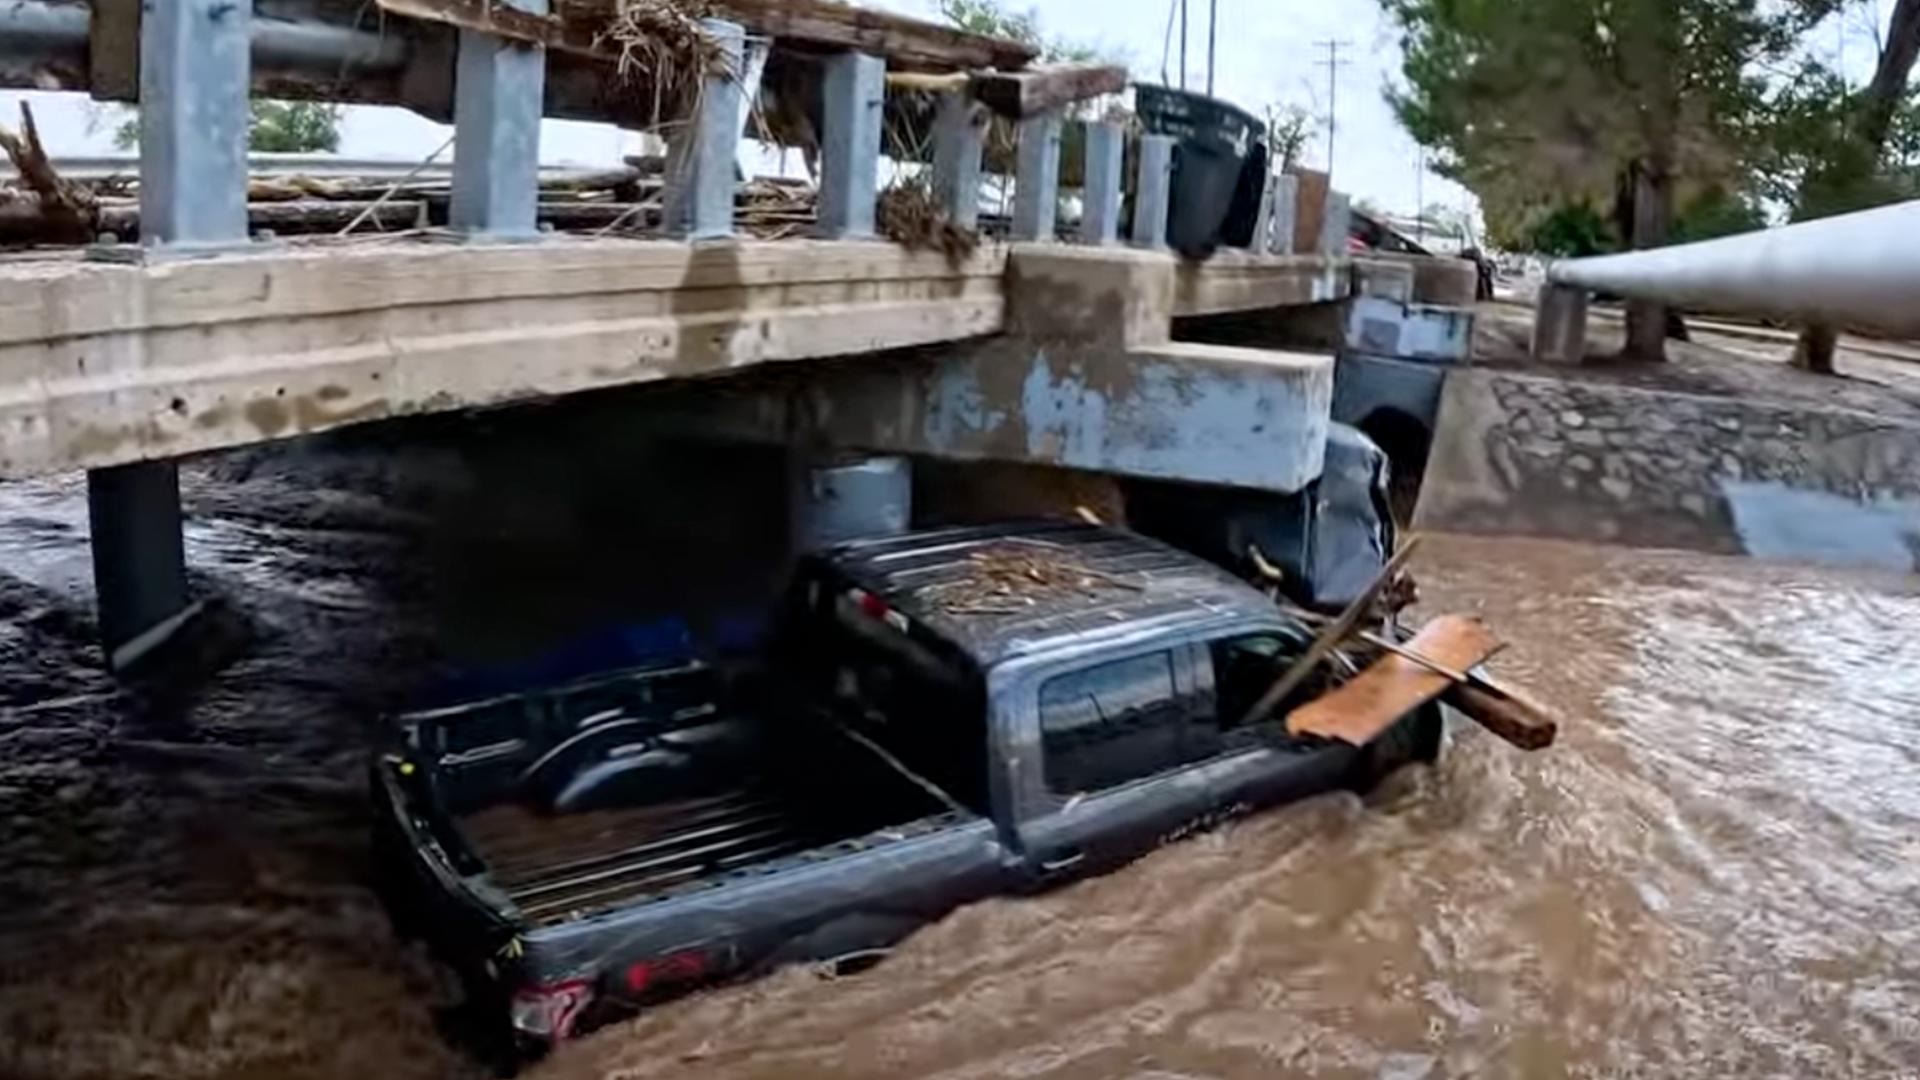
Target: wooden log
(1025, 93)
(1505, 712)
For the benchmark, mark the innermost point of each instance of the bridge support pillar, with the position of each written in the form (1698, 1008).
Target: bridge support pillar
(851, 498)
(195, 70)
(1560, 324)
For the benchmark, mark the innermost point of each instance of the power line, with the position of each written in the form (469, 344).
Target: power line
(1213, 24)
(1183, 44)
(1333, 64)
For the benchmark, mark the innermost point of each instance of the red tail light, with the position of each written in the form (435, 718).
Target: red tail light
(651, 974)
(550, 1011)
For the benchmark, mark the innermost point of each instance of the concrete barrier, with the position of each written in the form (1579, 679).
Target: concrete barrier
(1554, 457)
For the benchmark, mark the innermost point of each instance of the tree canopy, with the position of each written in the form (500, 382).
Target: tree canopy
(1536, 105)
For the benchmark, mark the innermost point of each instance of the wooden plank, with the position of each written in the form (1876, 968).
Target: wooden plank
(578, 27)
(1392, 686)
(1309, 209)
(1021, 94)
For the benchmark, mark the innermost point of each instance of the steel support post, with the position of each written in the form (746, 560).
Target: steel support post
(194, 78)
(139, 559)
(700, 169)
(1100, 195)
(959, 139)
(1151, 194)
(194, 74)
(498, 88)
(1285, 211)
(1037, 178)
(855, 91)
(1336, 224)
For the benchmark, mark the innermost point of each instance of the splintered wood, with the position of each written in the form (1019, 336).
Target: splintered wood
(1009, 578)
(1361, 710)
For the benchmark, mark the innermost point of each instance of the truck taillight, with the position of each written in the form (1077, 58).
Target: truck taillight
(652, 974)
(550, 1011)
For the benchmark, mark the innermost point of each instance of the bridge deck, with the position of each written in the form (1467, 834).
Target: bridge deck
(104, 363)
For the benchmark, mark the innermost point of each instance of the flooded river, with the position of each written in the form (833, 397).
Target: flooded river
(1715, 871)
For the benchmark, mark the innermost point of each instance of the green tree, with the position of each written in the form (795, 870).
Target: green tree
(1289, 129)
(288, 127)
(1536, 105)
(990, 18)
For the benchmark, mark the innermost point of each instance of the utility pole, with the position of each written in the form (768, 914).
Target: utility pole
(1420, 197)
(1183, 44)
(1333, 64)
(1213, 24)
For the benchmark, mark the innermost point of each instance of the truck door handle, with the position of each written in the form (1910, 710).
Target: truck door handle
(1065, 863)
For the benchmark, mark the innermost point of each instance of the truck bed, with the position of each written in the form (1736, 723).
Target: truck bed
(557, 867)
(827, 794)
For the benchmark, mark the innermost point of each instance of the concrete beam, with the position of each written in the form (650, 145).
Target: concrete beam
(1378, 326)
(1085, 378)
(854, 92)
(1239, 281)
(1560, 324)
(108, 364)
(498, 88)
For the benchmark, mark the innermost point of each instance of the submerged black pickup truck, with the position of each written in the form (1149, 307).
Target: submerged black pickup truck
(944, 716)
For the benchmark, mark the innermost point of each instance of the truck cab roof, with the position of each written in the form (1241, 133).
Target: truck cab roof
(1006, 590)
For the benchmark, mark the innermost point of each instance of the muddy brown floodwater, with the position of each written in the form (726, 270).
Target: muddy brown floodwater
(1715, 872)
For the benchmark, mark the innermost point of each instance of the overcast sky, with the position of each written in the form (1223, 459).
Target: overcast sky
(1269, 51)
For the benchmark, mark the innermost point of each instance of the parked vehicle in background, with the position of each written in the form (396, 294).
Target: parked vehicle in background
(944, 716)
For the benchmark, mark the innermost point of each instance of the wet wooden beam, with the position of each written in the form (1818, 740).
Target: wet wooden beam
(1025, 93)
(578, 26)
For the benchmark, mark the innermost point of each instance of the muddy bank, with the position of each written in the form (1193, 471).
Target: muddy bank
(1714, 872)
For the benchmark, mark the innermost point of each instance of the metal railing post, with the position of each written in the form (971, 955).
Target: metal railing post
(498, 90)
(1037, 178)
(959, 140)
(700, 170)
(855, 91)
(1100, 194)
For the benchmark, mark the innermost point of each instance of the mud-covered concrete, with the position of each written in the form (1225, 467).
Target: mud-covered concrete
(1546, 456)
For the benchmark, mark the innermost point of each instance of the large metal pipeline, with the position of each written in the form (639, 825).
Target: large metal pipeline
(1858, 270)
(43, 46)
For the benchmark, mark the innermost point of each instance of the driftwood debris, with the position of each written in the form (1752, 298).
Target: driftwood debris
(1331, 636)
(51, 209)
(1370, 703)
(580, 27)
(1025, 93)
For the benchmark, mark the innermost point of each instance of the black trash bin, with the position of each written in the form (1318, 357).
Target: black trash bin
(1214, 141)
